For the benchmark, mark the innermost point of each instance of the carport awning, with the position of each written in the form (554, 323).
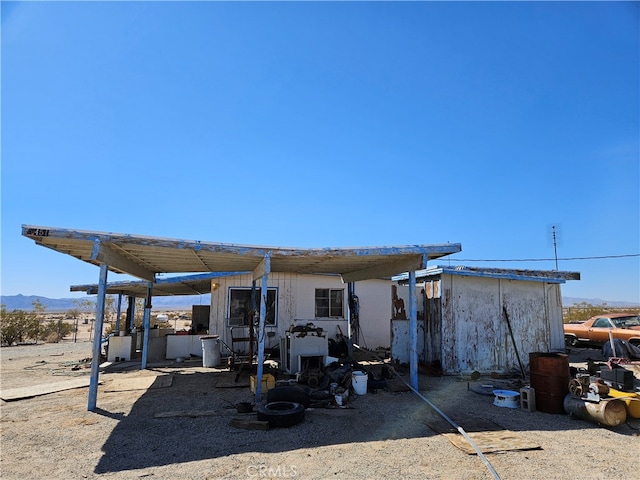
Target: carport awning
(198, 284)
(144, 257)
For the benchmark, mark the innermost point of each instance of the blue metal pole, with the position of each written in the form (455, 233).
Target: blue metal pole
(350, 336)
(145, 325)
(118, 314)
(97, 339)
(263, 314)
(132, 320)
(413, 331)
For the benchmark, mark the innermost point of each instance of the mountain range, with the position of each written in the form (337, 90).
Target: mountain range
(25, 302)
(184, 302)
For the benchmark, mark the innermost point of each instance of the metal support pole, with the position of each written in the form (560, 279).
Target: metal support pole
(413, 331)
(118, 313)
(97, 339)
(145, 325)
(132, 306)
(263, 314)
(352, 337)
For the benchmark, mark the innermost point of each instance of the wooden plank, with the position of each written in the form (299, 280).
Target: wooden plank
(43, 389)
(491, 442)
(106, 254)
(249, 424)
(223, 384)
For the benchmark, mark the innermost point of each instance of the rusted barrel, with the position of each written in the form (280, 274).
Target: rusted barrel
(549, 373)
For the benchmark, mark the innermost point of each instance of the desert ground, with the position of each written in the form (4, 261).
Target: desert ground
(391, 433)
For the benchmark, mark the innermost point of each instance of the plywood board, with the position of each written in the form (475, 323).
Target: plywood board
(491, 442)
(139, 383)
(43, 389)
(486, 434)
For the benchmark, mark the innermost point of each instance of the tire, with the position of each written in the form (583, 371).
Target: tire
(289, 394)
(281, 414)
(570, 341)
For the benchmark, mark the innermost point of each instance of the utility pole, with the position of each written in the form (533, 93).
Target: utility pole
(555, 248)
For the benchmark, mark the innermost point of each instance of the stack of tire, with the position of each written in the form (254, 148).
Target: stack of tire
(285, 407)
(281, 414)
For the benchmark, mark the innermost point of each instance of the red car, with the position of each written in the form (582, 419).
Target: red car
(595, 331)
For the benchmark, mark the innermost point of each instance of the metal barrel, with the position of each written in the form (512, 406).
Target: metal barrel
(549, 375)
(610, 412)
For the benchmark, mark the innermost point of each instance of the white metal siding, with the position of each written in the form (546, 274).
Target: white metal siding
(475, 332)
(296, 305)
(466, 328)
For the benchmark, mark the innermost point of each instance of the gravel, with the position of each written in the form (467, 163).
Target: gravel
(380, 435)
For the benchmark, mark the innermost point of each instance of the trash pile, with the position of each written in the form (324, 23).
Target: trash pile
(604, 394)
(332, 386)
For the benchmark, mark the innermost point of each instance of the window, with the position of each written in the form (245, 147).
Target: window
(329, 303)
(602, 323)
(239, 306)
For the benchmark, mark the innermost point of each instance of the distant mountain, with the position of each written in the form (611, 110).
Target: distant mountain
(25, 302)
(569, 301)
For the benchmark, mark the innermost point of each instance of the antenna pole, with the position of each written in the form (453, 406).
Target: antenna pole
(555, 249)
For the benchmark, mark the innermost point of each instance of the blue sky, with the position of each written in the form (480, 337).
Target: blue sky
(326, 124)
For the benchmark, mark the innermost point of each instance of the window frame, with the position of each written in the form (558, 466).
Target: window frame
(272, 293)
(330, 306)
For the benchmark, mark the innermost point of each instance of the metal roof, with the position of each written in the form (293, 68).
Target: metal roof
(548, 276)
(143, 256)
(197, 284)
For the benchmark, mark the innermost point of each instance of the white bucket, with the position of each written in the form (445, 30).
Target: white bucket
(210, 351)
(359, 382)
(506, 398)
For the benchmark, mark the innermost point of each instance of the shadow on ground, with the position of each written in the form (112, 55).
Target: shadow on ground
(141, 440)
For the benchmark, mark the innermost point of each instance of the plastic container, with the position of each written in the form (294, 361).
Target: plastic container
(506, 398)
(359, 382)
(268, 382)
(210, 351)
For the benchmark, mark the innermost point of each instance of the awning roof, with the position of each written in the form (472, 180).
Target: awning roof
(548, 276)
(143, 256)
(197, 284)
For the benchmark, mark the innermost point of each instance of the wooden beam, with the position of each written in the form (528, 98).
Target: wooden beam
(105, 254)
(263, 268)
(387, 269)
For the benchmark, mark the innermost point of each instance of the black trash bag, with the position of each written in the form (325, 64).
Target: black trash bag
(335, 373)
(338, 349)
(623, 348)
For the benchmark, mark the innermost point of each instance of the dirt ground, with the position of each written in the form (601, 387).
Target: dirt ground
(381, 435)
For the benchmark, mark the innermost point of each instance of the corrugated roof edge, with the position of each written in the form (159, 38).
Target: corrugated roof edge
(548, 276)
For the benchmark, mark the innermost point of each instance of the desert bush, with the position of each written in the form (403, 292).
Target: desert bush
(584, 311)
(52, 338)
(54, 331)
(18, 326)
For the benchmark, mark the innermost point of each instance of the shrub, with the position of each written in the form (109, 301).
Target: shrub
(18, 326)
(54, 331)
